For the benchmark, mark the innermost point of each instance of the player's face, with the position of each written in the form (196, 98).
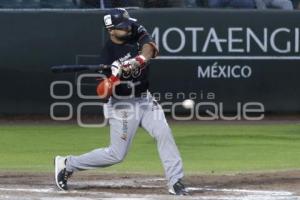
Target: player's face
(121, 34)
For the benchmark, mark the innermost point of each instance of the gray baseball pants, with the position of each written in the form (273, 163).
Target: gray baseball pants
(124, 117)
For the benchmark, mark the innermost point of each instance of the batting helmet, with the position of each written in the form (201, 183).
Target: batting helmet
(118, 18)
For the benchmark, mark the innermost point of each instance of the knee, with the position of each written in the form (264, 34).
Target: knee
(117, 155)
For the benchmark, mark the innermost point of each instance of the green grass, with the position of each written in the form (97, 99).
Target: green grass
(204, 148)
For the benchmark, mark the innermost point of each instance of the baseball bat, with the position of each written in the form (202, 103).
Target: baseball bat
(77, 68)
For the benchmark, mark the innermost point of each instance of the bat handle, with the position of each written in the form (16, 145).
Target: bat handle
(102, 66)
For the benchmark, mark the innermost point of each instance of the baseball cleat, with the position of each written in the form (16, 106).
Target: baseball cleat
(178, 189)
(61, 173)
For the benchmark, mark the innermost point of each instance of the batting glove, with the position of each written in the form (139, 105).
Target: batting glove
(116, 68)
(133, 63)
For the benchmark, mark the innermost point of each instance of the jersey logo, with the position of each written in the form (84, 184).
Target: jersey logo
(126, 57)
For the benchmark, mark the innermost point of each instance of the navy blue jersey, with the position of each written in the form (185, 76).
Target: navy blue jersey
(125, 51)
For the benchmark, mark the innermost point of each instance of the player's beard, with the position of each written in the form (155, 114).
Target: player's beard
(126, 37)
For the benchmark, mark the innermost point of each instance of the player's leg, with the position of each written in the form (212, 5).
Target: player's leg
(123, 125)
(154, 121)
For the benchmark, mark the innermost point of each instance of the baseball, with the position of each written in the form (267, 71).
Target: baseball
(188, 103)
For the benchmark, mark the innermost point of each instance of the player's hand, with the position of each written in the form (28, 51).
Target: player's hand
(116, 68)
(133, 63)
(105, 87)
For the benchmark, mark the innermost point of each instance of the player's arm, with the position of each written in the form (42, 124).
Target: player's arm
(148, 49)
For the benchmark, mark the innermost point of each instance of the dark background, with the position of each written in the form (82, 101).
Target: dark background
(32, 41)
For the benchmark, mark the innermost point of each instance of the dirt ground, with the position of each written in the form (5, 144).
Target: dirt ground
(83, 185)
(92, 185)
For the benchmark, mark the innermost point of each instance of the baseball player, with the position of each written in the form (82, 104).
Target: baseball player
(128, 51)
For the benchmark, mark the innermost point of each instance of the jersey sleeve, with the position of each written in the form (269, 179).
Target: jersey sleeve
(143, 37)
